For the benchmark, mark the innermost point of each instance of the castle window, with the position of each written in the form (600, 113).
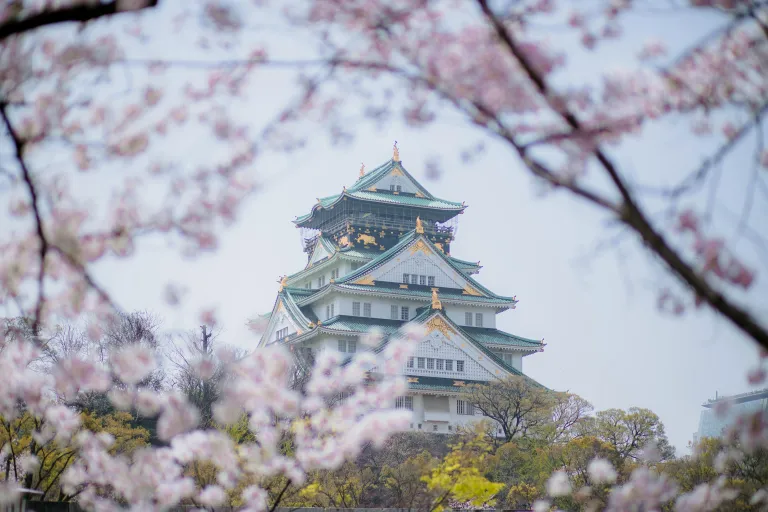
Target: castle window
(460, 366)
(404, 402)
(405, 314)
(342, 345)
(449, 365)
(439, 364)
(393, 313)
(406, 278)
(434, 428)
(329, 311)
(367, 309)
(355, 309)
(352, 346)
(391, 188)
(308, 285)
(468, 319)
(420, 362)
(281, 333)
(423, 280)
(335, 273)
(478, 319)
(410, 362)
(464, 408)
(399, 188)
(430, 280)
(414, 279)
(321, 281)
(430, 363)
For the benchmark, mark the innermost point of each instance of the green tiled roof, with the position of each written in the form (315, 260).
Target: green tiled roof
(362, 324)
(488, 336)
(440, 383)
(425, 292)
(464, 264)
(371, 177)
(359, 190)
(404, 241)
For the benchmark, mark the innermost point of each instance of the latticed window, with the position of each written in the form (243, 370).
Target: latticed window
(430, 363)
(439, 364)
(434, 428)
(335, 273)
(414, 279)
(406, 278)
(410, 362)
(393, 312)
(352, 346)
(329, 311)
(404, 402)
(467, 318)
(449, 365)
(430, 280)
(321, 281)
(405, 314)
(281, 333)
(355, 309)
(478, 319)
(459, 366)
(367, 309)
(423, 280)
(465, 408)
(342, 345)
(420, 362)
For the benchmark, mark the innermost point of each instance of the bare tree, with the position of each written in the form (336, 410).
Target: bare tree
(197, 371)
(139, 327)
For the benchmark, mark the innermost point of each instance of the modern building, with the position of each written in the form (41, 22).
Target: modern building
(379, 256)
(721, 412)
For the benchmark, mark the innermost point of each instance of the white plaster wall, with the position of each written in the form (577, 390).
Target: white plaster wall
(405, 183)
(457, 314)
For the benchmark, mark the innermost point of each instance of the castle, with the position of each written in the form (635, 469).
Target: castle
(379, 256)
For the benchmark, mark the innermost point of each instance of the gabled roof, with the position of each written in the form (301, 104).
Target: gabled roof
(406, 239)
(372, 177)
(362, 190)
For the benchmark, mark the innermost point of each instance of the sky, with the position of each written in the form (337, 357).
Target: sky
(597, 310)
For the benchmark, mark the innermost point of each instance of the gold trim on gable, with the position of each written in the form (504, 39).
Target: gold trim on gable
(366, 280)
(371, 189)
(420, 246)
(413, 380)
(459, 383)
(437, 323)
(468, 290)
(396, 172)
(419, 194)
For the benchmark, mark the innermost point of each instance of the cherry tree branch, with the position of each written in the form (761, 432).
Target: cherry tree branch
(76, 13)
(630, 213)
(18, 144)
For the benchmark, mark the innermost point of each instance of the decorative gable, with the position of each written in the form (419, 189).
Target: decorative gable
(444, 352)
(420, 259)
(319, 253)
(280, 319)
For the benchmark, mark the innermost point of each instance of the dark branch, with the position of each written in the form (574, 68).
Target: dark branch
(630, 213)
(76, 13)
(18, 144)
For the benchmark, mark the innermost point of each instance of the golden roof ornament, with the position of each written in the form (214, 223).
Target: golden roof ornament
(362, 169)
(283, 282)
(419, 226)
(395, 153)
(436, 304)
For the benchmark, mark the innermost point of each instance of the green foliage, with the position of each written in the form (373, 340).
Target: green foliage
(458, 476)
(52, 457)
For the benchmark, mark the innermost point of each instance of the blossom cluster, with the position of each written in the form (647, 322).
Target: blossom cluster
(324, 432)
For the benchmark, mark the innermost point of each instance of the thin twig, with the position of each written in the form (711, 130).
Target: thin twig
(18, 144)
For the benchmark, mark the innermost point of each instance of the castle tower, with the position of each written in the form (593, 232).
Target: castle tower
(378, 256)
